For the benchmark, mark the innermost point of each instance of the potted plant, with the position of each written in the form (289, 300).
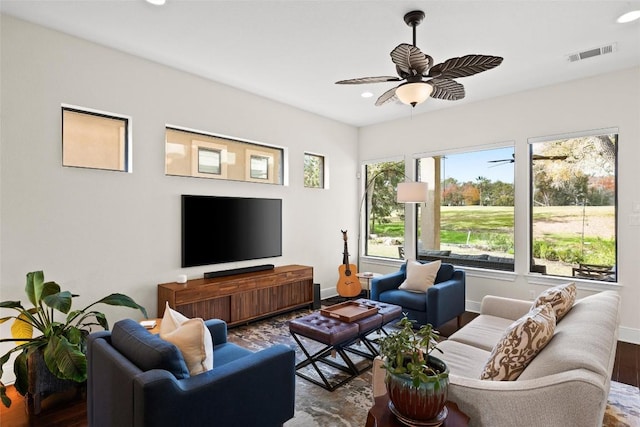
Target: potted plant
(417, 382)
(61, 345)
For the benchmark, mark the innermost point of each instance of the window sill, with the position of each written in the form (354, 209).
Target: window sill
(485, 273)
(389, 262)
(584, 284)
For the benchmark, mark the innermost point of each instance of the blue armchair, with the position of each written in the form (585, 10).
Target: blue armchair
(442, 302)
(137, 379)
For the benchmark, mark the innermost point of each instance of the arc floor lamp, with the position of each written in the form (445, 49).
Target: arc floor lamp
(408, 191)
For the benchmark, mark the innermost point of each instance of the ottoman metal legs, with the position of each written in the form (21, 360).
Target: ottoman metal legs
(334, 334)
(339, 337)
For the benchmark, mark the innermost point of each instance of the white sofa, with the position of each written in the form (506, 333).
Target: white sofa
(566, 384)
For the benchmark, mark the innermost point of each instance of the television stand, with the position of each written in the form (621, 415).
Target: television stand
(241, 298)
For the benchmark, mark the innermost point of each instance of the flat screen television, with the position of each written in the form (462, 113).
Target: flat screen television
(226, 229)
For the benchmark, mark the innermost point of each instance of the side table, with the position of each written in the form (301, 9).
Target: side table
(155, 329)
(368, 276)
(381, 416)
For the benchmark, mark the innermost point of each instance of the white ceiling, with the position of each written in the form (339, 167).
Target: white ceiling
(294, 51)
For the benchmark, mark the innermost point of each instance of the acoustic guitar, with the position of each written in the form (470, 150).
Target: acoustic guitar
(348, 284)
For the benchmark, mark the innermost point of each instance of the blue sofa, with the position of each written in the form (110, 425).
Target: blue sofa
(442, 302)
(137, 379)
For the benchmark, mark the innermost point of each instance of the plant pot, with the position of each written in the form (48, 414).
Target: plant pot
(42, 383)
(423, 404)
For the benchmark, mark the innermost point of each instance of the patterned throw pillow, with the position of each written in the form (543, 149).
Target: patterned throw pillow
(192, 338)
(521, 342)
(560, 297)
(420, 276)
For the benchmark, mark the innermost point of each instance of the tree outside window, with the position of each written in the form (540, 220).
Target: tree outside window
(384, 216)
(313, 171)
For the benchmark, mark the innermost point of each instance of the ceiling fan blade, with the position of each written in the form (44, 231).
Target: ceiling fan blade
(467, 65)
(365, 80)
(388, 96)
(410, 60)
(446, 89)
(403, 75)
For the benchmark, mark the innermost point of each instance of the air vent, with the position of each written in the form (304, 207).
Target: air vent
(610, 48)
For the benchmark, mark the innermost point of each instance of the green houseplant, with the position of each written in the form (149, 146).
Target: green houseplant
(417, 382)
(61, 343)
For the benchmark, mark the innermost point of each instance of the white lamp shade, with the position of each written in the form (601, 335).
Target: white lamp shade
(412, 192)
(413, 93)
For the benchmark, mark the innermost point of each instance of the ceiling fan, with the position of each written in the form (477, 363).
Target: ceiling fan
(423, 79)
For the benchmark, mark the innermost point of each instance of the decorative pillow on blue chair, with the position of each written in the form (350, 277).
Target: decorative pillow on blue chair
(192, 338)
(146, 350)
(445, 273)
(420, 276)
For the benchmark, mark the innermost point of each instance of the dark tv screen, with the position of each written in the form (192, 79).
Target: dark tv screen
(225, 229)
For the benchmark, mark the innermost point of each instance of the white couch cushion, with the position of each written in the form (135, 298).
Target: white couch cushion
(462, 359)
(583, 340)
(483, 332)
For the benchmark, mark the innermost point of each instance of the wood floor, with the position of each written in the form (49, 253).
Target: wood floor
(68, 411)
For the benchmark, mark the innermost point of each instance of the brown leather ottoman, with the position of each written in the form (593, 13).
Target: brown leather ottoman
(335, 335)
(388, 312)
(340, 337)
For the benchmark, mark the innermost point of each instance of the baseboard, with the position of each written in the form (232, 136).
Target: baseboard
(472, 306)
(629, 335)
(328, 293)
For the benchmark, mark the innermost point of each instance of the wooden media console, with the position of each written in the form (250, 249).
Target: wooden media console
(241, 298)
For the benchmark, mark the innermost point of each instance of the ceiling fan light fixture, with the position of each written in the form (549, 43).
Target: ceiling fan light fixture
(414, 93)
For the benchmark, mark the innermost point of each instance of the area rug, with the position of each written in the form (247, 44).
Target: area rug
(348, 405)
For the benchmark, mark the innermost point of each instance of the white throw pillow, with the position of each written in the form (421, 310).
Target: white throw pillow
(192, 338)
(420, 276)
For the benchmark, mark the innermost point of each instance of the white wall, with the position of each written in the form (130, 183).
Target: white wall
(96, 232)
(611, 100)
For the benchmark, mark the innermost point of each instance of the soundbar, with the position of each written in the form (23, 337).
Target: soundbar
(231, 272)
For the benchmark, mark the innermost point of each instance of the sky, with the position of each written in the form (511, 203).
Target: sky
(469, 166)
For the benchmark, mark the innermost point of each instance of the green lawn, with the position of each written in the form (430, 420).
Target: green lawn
(566, 234)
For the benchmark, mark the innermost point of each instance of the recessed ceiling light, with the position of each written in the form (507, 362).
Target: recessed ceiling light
(628, 17)
(366, 94)
(157, 2)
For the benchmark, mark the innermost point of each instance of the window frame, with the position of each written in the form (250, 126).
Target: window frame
(531, 267)
(489, 266)
(236, 153)
(127, 149)
(364, 210)
(321, 173)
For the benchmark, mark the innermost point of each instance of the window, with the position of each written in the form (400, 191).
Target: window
(384, 216)
(313, 171)
(204, 155)
(208, 161)
(259, 167)
(469, 220)
(96, 140)
(573, 205)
